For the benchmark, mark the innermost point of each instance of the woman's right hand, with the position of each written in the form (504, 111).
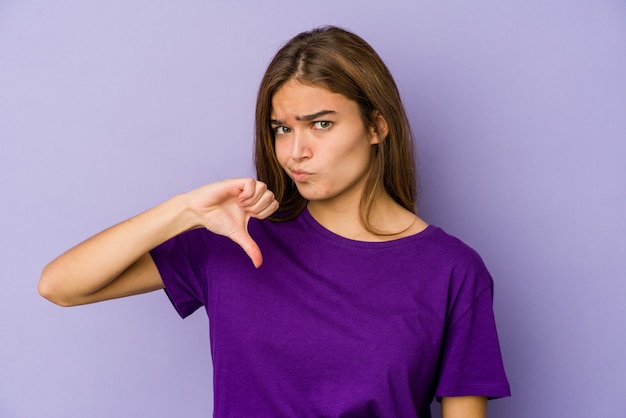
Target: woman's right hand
(116, 262)
(226, 207)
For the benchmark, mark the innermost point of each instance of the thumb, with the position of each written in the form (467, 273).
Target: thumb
(245, 241)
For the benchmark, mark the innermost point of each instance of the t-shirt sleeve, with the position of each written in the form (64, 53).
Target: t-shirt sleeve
(471, 361)
(181, 262)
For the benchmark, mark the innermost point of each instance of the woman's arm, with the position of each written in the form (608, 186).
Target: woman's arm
(116, 262)
(464, 407)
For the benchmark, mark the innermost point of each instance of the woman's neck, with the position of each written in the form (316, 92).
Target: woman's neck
(388, 220)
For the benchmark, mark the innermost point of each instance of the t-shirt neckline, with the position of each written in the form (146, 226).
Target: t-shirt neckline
(306, 216)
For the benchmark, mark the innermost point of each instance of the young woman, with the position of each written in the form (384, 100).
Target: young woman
(351, 306)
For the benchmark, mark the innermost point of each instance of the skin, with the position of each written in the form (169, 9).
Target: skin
(116, 263)
(321, 143)
(464, 407)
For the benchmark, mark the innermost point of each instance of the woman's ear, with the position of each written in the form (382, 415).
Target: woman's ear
(380, 129)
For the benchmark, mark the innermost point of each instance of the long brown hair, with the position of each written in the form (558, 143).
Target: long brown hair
(343, 63)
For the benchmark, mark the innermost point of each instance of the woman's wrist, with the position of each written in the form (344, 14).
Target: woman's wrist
(181, 215)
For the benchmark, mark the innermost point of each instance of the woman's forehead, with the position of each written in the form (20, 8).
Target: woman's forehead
(303, 101)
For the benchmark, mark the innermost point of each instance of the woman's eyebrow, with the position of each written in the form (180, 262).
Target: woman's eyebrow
(312, 116)
(306, 118)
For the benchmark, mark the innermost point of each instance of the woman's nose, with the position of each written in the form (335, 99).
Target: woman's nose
(300, 147)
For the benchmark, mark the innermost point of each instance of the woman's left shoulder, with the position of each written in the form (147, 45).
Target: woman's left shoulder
(460, 262)
(449, 246)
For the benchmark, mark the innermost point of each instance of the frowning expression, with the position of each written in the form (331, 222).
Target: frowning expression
(321, 142)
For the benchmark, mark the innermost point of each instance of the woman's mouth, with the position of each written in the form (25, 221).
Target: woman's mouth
(299, 175)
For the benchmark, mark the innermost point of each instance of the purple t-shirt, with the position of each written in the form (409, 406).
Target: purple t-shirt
(332, 327)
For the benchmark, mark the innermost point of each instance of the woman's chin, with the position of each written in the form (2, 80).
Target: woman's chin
(312, 192)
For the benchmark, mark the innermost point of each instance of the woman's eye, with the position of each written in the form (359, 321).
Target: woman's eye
(322, 124)
(281, 130)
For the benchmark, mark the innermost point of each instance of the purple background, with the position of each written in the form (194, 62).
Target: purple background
(107, 108)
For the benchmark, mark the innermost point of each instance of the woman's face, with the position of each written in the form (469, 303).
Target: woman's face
(321, 142)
